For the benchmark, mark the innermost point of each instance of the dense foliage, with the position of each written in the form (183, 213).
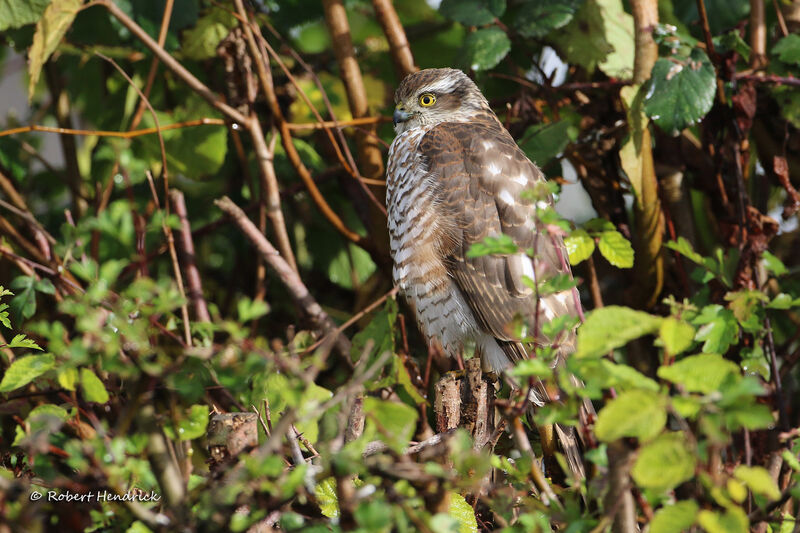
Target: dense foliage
(137, 303)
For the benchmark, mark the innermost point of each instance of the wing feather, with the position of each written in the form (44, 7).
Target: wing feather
(478, 173)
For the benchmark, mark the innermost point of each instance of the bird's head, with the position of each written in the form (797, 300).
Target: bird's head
(436, 95)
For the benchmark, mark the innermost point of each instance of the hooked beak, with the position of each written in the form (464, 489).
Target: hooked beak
(400, 115)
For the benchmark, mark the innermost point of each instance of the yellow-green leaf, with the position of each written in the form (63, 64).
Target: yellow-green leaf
(758, 480)
(68, 377)
(26, 369)
(93, 388)
(664, 463)
(50, 29)
(580, 246)
(674, 518)
(676, 335)
(635, 413)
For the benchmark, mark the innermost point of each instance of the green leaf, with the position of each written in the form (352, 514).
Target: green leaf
(393, 423)
(192, 425)
(664, 463)
(196, 152)
(783, 301)
(758, 480)
(23, 305)
(93, 388)
(542, 142)
(616, 249)
(201, 42)
(484, 49)
(500, 245)
(719, 329)
(532, 367)
(680, 91)
(579, 246)
(773, 264)
(676, 335)
(599, 35)
(788, 49)
(733, 520)
(327, 498)
(674, 518)
(16, 13)
(25, 369)
(635, 413)
(463, 512)
(536, 18)
(248, 309)
(699, 373)
(611, 327)
(473, 12)
(50, 29)
(20, 341)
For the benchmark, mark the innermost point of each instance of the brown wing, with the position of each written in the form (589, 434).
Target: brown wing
(478, 173)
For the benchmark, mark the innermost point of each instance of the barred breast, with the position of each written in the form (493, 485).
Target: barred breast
(415, 243)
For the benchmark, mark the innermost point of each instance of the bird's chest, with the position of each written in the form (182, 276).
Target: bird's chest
(413, 218)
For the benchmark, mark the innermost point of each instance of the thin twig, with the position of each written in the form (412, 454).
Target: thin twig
(151, 75)
(187, 245)
(297, 289)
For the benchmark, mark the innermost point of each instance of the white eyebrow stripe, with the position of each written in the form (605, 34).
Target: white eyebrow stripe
(442, 86)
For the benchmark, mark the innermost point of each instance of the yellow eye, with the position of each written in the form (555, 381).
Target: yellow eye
(427, 100)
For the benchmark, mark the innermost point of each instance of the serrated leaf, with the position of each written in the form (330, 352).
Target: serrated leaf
(758, 480)
(25, 369)
(463, 513)
(484, 49)
(635, 413)
(680, 91)
(536, 18)
(616, 249)
(393, 423)
(491, 245)
(473, 12)
(699, 373)
(93, 389)
(676, 335)
(16, 13)
(788, 49)
(599, 35)
(611, 327)
(674, 518)
(50, 29)
(23, 304)
(580, 246)
(20, 341)
(664, 463)
(718, 329)
(327, 498)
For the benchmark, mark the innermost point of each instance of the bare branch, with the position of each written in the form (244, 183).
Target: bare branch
(299, 292)
(396, 35)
